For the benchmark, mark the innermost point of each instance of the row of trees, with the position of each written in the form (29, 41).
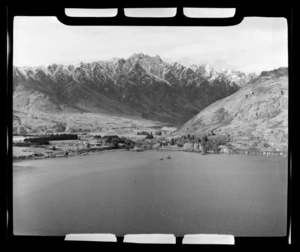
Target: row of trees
(188, 138)
(52, 137)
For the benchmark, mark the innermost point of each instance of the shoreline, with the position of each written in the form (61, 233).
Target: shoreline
(93, 152)
(99, 151)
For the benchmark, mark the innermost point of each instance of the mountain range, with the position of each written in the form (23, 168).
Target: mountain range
(129, 94)
(140, 85)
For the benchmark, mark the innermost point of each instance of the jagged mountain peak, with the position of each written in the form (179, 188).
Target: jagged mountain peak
(152, 64)
(138, 55)
(144, 57)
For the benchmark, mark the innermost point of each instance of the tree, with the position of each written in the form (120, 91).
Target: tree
(149, 136)
(172, 141)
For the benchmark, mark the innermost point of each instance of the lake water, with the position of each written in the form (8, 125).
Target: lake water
(126, 192)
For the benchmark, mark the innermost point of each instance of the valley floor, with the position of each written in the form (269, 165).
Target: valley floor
(26, 123)
(87, 125)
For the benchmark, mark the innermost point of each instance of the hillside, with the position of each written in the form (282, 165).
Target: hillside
(255, 116)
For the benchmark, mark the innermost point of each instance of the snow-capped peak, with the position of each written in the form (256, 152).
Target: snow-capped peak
(227, 74)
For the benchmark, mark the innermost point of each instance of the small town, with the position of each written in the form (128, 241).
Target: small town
(65, 145)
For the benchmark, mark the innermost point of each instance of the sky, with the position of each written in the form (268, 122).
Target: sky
(256, 44)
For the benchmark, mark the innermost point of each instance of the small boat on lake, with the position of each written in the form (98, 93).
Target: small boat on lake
(161, 159)
(168, 157)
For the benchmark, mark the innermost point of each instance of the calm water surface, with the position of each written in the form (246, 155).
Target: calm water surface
(125, 192)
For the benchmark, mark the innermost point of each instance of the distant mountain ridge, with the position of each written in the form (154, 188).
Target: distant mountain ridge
(140, 85)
